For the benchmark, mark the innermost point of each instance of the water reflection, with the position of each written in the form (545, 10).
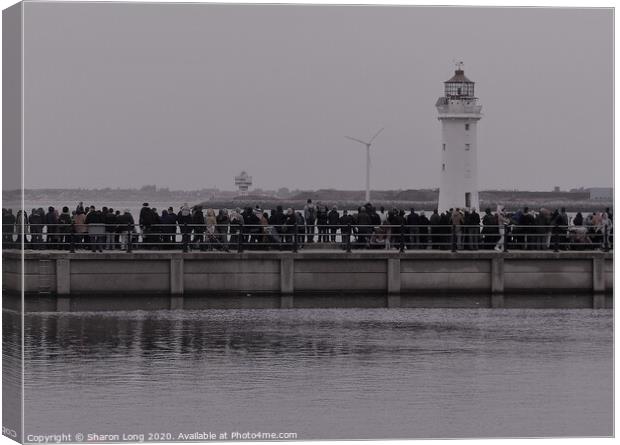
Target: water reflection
(331, 373)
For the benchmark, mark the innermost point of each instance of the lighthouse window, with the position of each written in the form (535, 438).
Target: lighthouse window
(444, 147)
(467, 147)
(466, 126)
(443, 167)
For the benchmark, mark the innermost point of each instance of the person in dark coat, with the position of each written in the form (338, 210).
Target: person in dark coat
(51, 223)
(413, 220)
(146, 222)
(65, 221)
(167, 229)
(363, 227)
(396, 220)
(96, 230)
(445, 239)
(375, 218)
(111, 224)
(254, 229)
(125, 224)
(434, 231)
(424, 228)
(346, 222)
(236, 224)
(289, 227)
(301, 224)
(490, 231)
(172, 229)
(277, 220)
(221, 228)
(333, 219)
(35, 221)
(472, 229)
(198, 222)
(310, 217)
(528, 233)
(321, 223)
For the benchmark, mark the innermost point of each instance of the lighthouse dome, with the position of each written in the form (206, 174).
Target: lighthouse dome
(459, 86)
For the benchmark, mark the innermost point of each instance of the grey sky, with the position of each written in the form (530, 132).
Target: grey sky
(186, 96)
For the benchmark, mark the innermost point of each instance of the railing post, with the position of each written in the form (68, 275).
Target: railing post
(454, 246)
(72, 239)
(349, 238)
(185, 239)
(505, 237)
(295, 237)
(240, 239)
(129, 237)
(402, 238)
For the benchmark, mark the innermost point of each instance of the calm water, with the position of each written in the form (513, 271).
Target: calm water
(324, 373)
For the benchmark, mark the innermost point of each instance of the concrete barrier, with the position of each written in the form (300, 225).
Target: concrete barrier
(289, 275)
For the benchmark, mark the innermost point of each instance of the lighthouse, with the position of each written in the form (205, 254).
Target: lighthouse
(459, 113)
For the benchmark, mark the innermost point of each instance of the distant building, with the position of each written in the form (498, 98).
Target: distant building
(602, 193)
(283, 192)
(243, 183)
(556, 189)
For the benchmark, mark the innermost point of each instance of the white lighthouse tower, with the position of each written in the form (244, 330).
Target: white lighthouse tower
(459, 113)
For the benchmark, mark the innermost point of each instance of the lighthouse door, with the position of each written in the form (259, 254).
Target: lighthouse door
(467, 199)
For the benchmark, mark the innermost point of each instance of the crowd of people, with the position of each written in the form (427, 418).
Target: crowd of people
(191, 228)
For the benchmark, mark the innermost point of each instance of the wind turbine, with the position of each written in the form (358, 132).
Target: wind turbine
(367, 144)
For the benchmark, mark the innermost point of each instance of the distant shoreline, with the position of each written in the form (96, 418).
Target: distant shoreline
(421, 200)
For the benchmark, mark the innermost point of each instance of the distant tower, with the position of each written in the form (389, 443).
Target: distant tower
(243, 182)
(459, 114)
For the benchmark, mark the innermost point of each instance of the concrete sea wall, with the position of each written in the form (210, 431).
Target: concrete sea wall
(303, 279)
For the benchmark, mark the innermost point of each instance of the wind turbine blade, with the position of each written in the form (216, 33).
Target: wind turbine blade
(356, 140)
(376, 134)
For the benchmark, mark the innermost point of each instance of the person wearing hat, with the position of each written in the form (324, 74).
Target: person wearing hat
(146, 221)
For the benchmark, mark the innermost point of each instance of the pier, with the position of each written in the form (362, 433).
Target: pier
(63, 281)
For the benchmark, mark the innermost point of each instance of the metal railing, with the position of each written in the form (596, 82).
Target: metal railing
(239, 237)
